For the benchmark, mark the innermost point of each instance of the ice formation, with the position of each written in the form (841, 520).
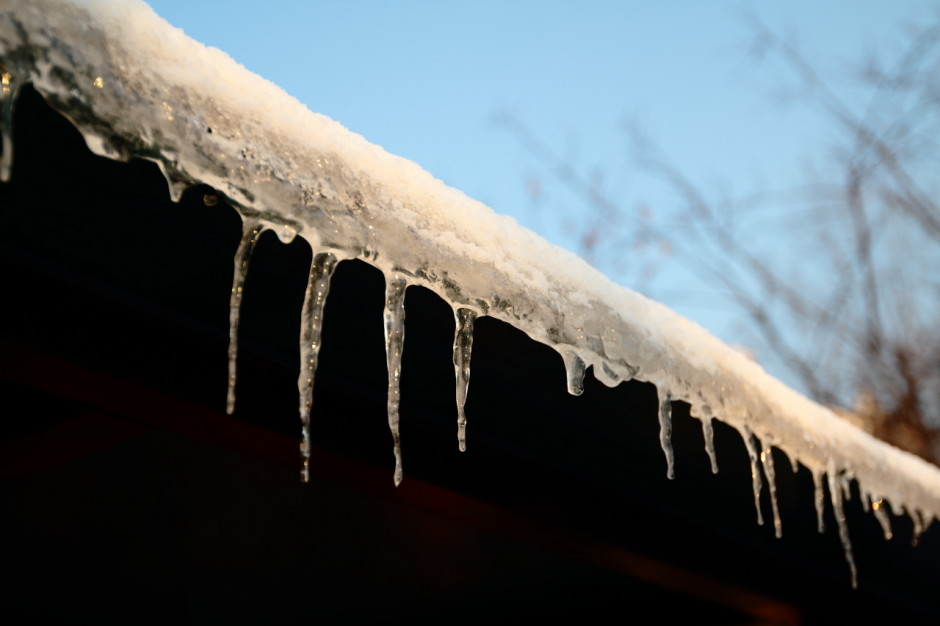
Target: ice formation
(137, 87)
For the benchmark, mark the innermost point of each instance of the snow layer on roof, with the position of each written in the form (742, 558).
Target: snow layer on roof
(137, 87)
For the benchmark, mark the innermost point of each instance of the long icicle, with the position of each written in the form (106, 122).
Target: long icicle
(835, 496)
(665, 430)
(251, 230)
(819, 500)
(708, 432)
(463, 345)
(311, 328)
(767, 460)
(394, 341)
(756, 483)
(9, 89)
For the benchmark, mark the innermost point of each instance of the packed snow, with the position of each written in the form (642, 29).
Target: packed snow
(137, 87)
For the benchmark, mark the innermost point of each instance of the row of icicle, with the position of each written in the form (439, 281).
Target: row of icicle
(322, 266)
(318, 285)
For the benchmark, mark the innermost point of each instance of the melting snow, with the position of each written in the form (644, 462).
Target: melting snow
(137, 87)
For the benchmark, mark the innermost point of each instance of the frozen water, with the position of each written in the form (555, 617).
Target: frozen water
(665, 431)
(135, 86)
(311, 329)
(394, 342)
(251, 230)
(767, 460)
(835, 494)
(463, 344)
(757, 484)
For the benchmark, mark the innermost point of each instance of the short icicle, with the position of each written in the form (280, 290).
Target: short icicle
(251, 230)
(919, 525)
(819, 500)
(756, 483)
(767, 460)
(835, 496)
(9, 89)
(878, 506)
(311, 328)
(463, 344)
(574, 371)
(394, 341)
(665, 430)
(708, 432)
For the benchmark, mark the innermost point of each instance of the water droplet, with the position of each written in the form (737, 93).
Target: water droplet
(394, 342)
(251, 230)
(463, 344)
(665, 430)
(311, 329)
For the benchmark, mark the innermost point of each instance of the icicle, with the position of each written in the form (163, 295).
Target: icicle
(463, 344)
(251, 230)
(574, 369)
(819, 500)
(665, 430)
(767, 460)
(311, 327)
(835, 496)
(8, 93)
(919, 526)
(606, 375)
(878, 506)
(177, 188)
(394, 341)
(756, 483)
(709, 433)
(846, 487)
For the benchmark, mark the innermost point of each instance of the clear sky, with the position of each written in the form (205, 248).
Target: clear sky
(425, 80)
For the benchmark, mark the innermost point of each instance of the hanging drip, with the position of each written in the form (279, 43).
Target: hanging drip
(665, 430)
(756, 483)
(835, 497)
(311, 328)
(708, 432)
(9, 90)
(394, 342)
(251, 230)
(463, 344)
(767, 460)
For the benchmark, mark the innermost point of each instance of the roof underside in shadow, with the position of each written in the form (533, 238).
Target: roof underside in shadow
(124, 485)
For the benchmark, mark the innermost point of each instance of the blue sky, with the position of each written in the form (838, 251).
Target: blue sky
(426, 79)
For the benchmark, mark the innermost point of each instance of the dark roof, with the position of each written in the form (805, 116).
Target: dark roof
(126, 492)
